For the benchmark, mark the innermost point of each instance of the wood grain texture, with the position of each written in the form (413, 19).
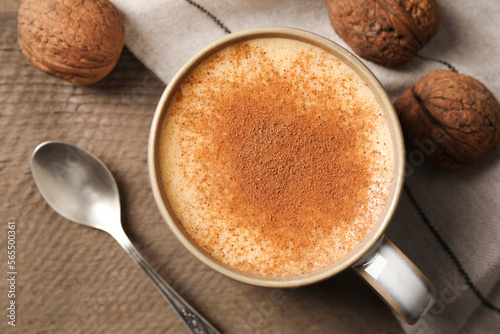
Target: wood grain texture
(73, 279)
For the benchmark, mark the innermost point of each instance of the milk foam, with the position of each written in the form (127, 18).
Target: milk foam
(200, 150)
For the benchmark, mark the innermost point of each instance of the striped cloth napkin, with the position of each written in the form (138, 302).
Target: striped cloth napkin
(447, 223)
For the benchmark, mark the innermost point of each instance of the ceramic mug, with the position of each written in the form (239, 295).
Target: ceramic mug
(376, 259)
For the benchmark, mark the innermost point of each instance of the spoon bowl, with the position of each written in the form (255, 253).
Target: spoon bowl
(79, 187)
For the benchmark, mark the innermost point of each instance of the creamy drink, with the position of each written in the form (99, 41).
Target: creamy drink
(275, 157)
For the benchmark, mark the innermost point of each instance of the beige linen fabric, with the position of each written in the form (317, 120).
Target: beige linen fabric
(9, 6)
(454, 238)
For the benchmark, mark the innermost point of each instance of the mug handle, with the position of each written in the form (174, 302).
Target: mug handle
(397, 280)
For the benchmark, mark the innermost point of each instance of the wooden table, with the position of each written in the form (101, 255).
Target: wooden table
(73, 279)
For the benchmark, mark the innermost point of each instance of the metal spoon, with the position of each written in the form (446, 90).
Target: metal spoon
(80, 188)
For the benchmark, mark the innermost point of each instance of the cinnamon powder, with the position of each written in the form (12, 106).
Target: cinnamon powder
(284, 156)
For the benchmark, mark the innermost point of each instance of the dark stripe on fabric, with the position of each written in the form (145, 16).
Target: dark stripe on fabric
(449, 252)
(451, 67)
(212, 16)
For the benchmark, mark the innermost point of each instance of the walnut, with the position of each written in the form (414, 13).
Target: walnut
(387, 32)
(76, 40)
(450, 117)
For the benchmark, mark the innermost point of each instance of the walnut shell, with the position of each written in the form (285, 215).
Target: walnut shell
(387, 32)
(451, 118)
(76, 40)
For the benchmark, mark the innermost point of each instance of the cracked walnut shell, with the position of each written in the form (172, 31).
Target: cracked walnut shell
(450, 117)
(386, 32)
(76, 40)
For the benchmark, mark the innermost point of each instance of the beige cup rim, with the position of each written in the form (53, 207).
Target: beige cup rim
(398, 150)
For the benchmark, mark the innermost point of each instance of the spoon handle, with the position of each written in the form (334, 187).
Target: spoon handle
(192, 319)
